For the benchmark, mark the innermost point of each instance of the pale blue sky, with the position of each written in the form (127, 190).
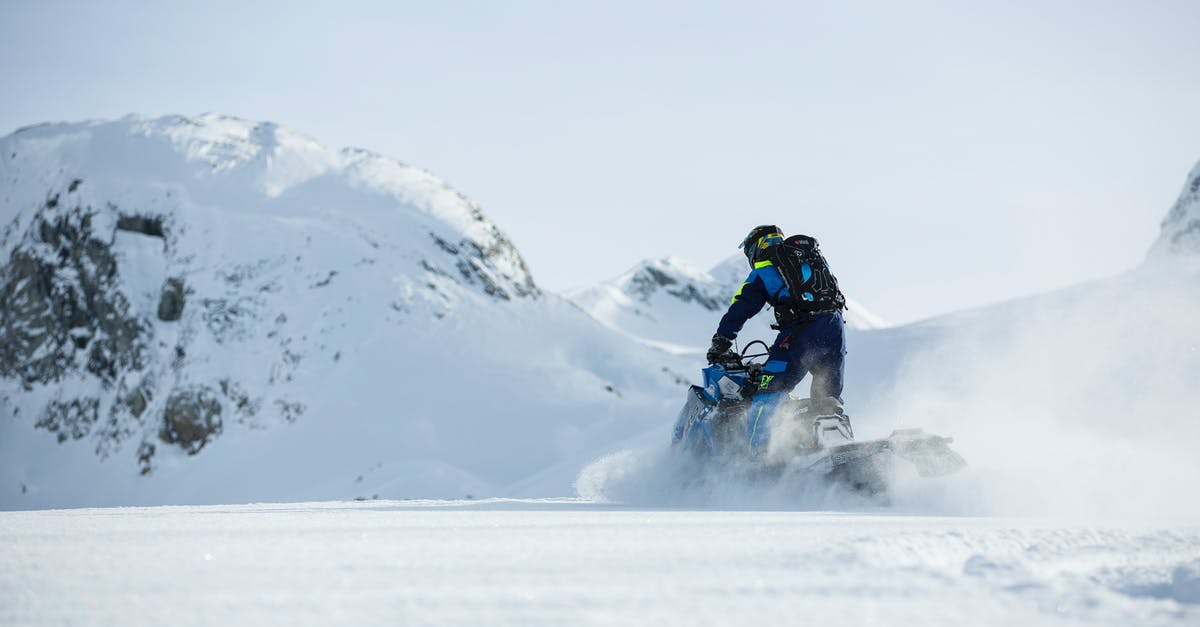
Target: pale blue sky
(947, 154)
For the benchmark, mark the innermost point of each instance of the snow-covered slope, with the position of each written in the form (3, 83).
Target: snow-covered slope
(1080, 403)
(668, 302)
(213, 310)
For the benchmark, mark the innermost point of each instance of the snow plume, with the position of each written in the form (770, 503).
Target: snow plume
(659, 476)
(1077, 404)
(1082, 403)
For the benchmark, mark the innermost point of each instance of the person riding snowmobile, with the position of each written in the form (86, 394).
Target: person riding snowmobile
(795, 280)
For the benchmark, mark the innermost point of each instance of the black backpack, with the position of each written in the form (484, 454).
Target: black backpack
(806, 274)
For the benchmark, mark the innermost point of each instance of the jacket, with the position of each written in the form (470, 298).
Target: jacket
(764, 285)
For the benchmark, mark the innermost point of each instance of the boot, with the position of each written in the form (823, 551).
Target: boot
(828, 406)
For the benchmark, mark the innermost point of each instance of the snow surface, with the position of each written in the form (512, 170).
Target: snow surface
(566, 562)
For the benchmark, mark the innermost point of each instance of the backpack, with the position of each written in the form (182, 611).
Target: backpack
(806, 274)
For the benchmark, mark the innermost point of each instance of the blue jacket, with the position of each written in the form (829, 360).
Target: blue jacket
(764, 285)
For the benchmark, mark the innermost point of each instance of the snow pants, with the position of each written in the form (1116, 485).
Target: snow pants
(814, 346)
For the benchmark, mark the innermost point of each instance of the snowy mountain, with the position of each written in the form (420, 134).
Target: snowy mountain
(1181, 228)
(210, 309)
(667, 302)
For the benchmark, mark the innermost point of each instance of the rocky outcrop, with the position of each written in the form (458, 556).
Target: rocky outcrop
(60, 308)
(66, 317)
(477, 265)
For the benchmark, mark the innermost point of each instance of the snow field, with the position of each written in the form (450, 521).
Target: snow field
(575, 562)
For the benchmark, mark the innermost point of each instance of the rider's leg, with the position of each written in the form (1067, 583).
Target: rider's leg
(780, 374)
(763, 405)
(826, 362)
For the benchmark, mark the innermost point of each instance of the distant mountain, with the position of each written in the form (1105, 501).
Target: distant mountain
(667, 302)
(1181, 228)
(208, 309)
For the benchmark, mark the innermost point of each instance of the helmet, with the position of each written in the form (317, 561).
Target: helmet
(760, 238)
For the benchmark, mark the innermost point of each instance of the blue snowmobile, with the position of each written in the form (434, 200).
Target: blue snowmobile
(712, 427)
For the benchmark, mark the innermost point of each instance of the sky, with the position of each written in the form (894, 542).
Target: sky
(946, 154)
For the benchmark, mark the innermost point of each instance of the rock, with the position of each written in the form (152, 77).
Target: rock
(137, 403)
(145, 225)
(191, 419)
(170, 303)
(71, 420)
(145, 455)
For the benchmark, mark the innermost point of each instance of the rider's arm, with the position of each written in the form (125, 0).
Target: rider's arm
(749, 300)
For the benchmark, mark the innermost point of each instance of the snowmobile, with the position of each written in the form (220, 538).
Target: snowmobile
(812, 443)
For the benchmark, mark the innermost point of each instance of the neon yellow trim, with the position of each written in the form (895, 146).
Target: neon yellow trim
(765, 241)
(739, 292)
(762, 264)
(754, 427)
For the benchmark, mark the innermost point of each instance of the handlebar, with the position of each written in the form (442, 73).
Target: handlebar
(733, 360)
(737, 361)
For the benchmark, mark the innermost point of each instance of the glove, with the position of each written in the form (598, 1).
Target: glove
(720, 345)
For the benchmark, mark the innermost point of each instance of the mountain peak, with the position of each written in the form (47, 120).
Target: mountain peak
(263, 169)
(675, 277)
(1181, 228)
